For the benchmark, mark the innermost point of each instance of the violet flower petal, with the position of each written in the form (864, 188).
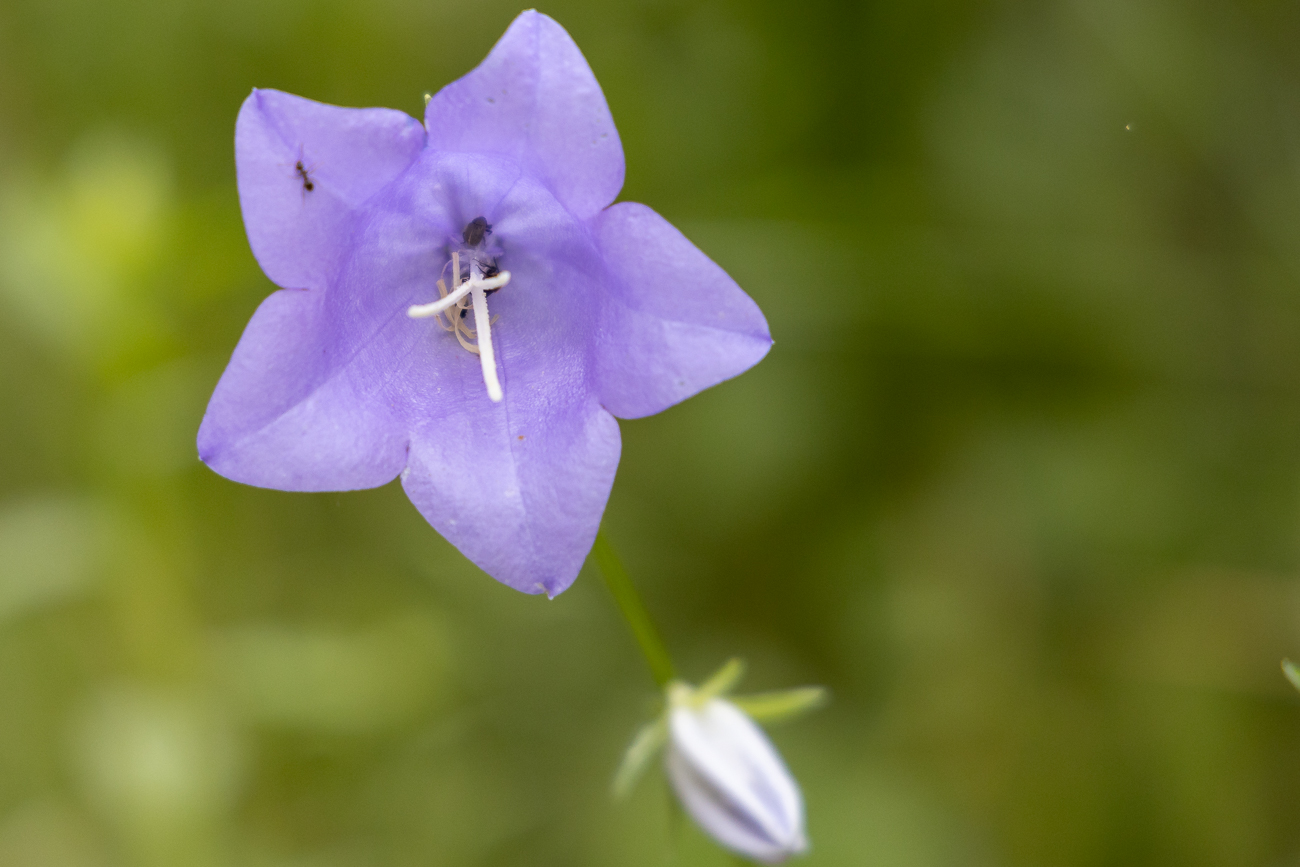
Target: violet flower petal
(524, 507)
(346, 154)
(674, 323)
(293, 410)
(535, 100)
(290, 414)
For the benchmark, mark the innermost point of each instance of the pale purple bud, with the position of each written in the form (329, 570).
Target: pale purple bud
(732, 781)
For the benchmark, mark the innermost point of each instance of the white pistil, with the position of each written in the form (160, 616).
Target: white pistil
(421, 311)
(477, 287)
(483, 330)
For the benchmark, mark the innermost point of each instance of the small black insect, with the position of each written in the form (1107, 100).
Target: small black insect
(305, 174)
(490, 270)
(476, 230)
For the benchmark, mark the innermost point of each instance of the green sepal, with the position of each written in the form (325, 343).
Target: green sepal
(722, 681)
(642, 750)
(781, 705)
(1292, 672)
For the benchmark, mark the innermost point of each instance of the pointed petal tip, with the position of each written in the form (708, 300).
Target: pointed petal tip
(554, 587)
(204, 441)
(535, 100)
(540, 589)
(550, 588)
(531, 17)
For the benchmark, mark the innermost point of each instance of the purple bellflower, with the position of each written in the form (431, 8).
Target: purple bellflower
(379, 357)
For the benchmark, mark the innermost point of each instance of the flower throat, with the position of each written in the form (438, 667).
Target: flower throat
(473, 278)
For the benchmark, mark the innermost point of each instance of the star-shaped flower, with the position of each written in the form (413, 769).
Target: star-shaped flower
(391, 240)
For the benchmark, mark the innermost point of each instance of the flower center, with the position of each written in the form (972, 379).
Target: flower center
(469, 291)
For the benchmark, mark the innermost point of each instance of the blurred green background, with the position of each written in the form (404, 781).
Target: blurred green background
(1019, 481)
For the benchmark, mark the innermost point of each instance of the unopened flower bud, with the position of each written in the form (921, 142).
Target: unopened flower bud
(731, 779)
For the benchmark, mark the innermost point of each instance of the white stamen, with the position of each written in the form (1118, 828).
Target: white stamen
(483, 330)
(452, 304)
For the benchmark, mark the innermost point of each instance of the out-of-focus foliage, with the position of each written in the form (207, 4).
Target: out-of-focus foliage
(1020, 480)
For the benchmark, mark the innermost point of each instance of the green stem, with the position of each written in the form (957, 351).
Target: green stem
(634, 610)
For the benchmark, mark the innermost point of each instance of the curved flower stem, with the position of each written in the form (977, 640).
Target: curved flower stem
(634, 610)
